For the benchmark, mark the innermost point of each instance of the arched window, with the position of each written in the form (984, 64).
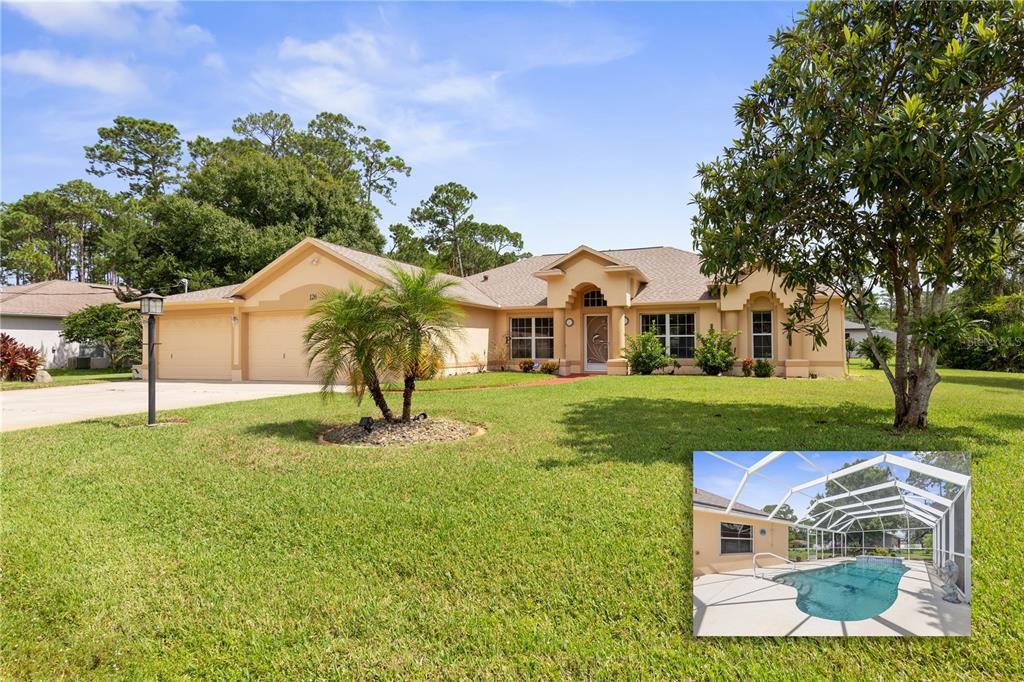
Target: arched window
(594, 299)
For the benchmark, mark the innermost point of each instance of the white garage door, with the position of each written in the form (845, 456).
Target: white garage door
(195, 347)
(276, 350)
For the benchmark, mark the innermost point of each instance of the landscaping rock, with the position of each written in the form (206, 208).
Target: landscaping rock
(43, 377)
(435, 430)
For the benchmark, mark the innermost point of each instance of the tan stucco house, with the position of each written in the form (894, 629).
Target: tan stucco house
(727, 540)
(575, 309)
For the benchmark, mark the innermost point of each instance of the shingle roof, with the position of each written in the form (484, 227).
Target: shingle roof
(379, 265)
(213, 294)
(53, 298)
(703, 497)
(673, 275)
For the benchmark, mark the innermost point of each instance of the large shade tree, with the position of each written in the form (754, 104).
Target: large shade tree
(882, 151)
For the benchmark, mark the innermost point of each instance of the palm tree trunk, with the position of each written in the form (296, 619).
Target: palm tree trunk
(373, 386)
(410, 386)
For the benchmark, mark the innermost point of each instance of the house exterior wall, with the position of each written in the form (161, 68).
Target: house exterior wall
(43, 334)
(707, 548)
(290, 285)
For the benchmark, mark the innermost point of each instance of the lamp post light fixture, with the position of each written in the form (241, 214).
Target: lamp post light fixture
(152, 304)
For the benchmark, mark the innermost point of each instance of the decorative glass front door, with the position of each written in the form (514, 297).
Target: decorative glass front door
(597, 343)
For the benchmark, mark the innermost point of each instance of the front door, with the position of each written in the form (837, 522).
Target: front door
(596, 344)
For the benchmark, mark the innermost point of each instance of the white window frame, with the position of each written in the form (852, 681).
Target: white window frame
(533, 337)
(770, 334)
(666, 338)
(722, 538)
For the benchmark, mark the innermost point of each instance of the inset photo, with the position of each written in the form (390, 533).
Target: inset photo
(831, 543)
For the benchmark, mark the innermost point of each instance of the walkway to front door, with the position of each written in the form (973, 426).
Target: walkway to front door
(597, 344)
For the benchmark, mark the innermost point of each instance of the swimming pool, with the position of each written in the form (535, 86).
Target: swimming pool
(846, 591)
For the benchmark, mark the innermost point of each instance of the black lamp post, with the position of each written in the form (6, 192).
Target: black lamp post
(152, 304)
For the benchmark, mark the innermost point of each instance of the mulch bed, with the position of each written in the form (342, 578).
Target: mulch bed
(431, 430)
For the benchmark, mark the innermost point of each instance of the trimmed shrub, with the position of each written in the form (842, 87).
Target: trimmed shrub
(887, 347)
(714, 353)
(763, 369)
(526, 365)
(18, 361)
(645, 353)
(549, 367)
(748, 367)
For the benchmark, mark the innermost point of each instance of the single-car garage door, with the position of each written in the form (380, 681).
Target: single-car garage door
(276, 350)
(196, 346)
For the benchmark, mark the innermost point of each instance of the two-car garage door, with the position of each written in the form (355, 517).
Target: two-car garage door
(276, 350)
(198, 346)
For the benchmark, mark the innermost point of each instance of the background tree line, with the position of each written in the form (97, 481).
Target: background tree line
(215, 212)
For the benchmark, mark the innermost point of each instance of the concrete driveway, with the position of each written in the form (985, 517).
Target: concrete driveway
(59, 405)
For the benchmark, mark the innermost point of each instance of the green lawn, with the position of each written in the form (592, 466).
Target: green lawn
(461, 381)
(71, 377)
(556, 545)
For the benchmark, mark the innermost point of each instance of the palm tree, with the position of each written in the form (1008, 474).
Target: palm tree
(352, 336)
(426, 320)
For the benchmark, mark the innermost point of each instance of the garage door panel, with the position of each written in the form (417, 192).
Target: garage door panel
(276, 349)
(195, 347)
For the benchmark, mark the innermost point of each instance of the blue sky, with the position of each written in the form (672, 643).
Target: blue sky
(721, 478)
(574, 123)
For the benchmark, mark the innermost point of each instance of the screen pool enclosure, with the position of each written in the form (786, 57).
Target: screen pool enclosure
(897, 515)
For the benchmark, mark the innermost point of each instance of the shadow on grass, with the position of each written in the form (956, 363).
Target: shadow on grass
(646, 431)
(1013, 381)
(302, 430)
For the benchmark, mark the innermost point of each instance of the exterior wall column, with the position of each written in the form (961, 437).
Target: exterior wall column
(236, 344)
(616, 340)
(559, 321)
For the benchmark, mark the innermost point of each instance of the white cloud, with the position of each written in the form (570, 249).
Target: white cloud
(460, 89)
(215, 61)
(427, 109)
(155, 23)
(107, 76)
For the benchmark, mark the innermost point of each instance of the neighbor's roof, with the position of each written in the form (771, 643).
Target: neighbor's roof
(53, 298)
(673, 275)
(706, 499)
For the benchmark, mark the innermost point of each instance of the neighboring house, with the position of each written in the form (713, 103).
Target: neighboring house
(575, 309)
(727, 540)
(857, 332)
(32, 314)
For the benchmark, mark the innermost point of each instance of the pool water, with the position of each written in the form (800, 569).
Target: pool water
(846, 591)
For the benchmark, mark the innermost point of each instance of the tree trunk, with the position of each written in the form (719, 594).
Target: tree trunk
(410, 386)
(373, 386)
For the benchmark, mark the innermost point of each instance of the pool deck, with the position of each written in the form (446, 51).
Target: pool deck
(738, 604)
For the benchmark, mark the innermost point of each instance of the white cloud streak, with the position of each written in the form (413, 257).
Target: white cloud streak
(106, 76)
(153, 23)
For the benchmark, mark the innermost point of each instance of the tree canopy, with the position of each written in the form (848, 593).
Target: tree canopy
(451, 238)
(216, 211)
(883, 150)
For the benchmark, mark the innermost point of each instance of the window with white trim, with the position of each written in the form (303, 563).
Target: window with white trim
(737, 538)
(675, 330)
(594, 299)
(532, 338)
(761, 334)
